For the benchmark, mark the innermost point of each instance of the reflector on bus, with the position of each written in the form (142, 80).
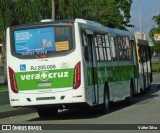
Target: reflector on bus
(77, 76)
(13, 83)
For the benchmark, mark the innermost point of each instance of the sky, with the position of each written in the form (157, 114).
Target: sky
(148, 9)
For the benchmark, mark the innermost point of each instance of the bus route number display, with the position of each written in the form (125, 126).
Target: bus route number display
(62, 46)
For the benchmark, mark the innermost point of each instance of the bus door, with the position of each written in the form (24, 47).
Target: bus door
(143, 65)
(136, 60)
(91, 64)
(150, 65)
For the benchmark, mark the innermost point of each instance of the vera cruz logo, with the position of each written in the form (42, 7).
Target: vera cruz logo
(59, 78)
(44, 75)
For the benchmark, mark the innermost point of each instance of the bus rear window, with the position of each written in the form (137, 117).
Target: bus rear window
(42, 40)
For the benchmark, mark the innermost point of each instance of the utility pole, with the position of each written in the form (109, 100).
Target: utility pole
(157, 10)
(53, 9)
(157, 6)
(140, 20)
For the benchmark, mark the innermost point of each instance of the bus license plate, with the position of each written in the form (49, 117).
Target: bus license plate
(44, 84)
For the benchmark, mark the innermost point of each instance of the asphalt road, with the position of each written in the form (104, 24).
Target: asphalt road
(145, 109)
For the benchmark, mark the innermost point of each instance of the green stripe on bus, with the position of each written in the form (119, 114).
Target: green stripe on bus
(33, 80)
(110, 74)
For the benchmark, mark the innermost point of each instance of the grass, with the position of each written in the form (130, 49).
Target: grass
(155, 66)
(3, 86)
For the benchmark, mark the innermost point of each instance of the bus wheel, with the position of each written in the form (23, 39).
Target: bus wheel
(47, 112)
(106, 103)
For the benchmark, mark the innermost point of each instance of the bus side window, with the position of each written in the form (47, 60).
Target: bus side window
(99, 42)
(104, 47)
(123, 48)
(96, 47)
(108, 47)
(119, 47)
(128, 47)
(85, 45)
(113, 49)
(99, 46)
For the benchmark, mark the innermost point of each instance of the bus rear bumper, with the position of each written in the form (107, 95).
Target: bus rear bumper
(41, 99)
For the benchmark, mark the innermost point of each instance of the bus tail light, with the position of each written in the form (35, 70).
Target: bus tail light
(77, 76)
(13, 83)
(43, 56)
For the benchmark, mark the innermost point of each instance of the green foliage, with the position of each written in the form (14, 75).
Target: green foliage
(3, 86)
(157, 20)
(27, 11)
(108, 12)
(125, 7)
(155, 30)
(155, 66)
(116, 12)
(5, 14)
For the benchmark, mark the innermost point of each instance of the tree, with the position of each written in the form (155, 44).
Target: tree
(27, 11)
(5, 18)
(124, 6)
(107, 12)
(114, 13)
(155, 30)
(157, 20)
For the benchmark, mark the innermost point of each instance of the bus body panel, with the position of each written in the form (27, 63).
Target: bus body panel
(41, 78)
(47, 98)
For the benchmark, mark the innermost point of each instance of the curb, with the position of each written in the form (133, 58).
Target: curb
(16, 111)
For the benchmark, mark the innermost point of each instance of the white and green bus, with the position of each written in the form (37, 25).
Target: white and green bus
(68, 63)
(144, 65)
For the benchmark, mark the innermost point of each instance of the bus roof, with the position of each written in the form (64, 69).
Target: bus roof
(83, 21)
(110, 30)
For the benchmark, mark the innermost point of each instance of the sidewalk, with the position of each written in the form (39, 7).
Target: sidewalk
(6, 110)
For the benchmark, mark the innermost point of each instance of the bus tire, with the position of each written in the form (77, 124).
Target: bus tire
(47, 112)
(106, 101)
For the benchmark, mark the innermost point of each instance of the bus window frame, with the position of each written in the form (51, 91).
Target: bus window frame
(49, 54)
(121, 48)
(103, 46)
